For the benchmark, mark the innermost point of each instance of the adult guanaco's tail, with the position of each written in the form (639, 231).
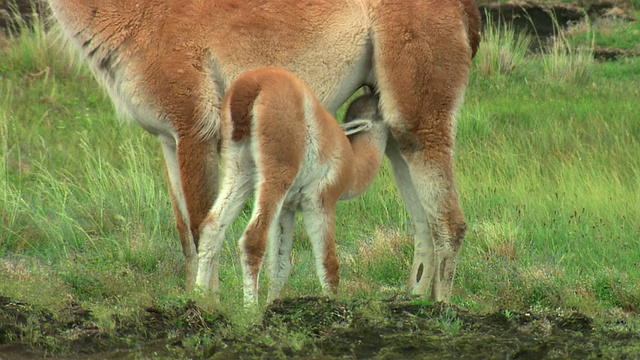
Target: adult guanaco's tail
(473, 24)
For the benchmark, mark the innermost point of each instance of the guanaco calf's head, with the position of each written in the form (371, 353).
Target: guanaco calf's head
(363, 116)
(367, 135)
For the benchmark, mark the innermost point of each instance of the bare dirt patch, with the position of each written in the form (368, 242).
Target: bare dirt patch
(319, 328)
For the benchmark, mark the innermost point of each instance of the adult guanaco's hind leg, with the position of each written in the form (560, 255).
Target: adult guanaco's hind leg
(420, 104)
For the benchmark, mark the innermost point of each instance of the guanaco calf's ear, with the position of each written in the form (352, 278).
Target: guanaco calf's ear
(356, 126)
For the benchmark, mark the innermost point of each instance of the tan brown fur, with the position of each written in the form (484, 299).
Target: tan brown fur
(154, 58)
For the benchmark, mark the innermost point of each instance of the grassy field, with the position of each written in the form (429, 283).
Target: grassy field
(548, 167)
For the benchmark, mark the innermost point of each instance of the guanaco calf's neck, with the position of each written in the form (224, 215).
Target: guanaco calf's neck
(368, 146)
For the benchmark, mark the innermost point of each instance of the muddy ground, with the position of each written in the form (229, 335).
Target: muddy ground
(316, 328)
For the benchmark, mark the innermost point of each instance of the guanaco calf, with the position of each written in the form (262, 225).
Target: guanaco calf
(279, 142)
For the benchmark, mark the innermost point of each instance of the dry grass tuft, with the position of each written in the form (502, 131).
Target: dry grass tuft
(385, 243)
(497, 240)
(543, 273)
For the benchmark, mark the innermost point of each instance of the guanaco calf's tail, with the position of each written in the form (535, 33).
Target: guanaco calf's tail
(241, 97)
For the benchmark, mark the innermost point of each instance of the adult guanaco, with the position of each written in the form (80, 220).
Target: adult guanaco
(154, 57)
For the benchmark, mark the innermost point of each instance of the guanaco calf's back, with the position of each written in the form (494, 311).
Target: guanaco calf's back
(279, 142)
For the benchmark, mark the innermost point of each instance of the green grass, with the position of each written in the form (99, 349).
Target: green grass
(549, 177)
(608, 33)
(548, 166)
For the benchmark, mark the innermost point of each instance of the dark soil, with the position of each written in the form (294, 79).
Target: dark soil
(313, 328)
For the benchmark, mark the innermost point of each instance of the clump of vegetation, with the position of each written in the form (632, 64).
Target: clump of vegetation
(503, 50)
(562, 60)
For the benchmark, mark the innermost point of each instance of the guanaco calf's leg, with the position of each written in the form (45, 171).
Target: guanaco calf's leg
(279, 252)
(320, 224)
(253, 244)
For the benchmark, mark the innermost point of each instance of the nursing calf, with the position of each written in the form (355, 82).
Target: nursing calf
(281, 144)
